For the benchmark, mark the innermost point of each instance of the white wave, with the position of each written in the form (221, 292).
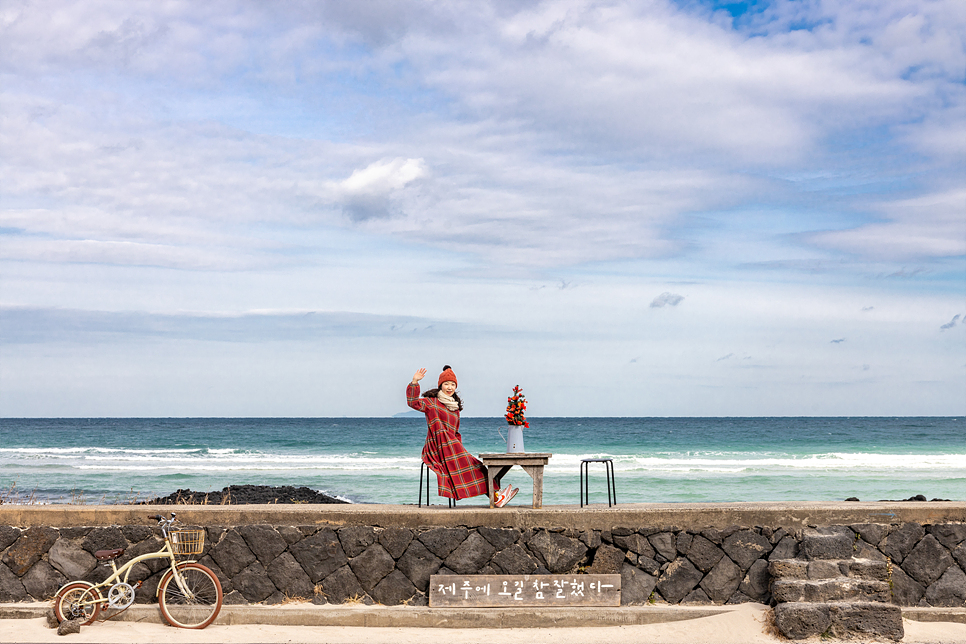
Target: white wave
(227, 459)
(745, 462)
(178, 469)
(57, 451)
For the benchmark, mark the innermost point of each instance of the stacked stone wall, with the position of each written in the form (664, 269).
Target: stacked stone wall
(923, 565)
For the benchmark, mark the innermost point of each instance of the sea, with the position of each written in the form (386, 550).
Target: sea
(377, 460)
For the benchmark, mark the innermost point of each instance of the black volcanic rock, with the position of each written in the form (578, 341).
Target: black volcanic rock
(245, 495)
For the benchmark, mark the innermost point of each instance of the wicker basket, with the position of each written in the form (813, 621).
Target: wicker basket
(187, 542)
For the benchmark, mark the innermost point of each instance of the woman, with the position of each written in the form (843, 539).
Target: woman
(459, 475)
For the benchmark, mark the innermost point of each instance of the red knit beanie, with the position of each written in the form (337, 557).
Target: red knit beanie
(446, 375)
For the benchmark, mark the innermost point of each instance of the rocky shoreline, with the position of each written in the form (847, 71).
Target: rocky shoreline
(918, 498)
(245, 495)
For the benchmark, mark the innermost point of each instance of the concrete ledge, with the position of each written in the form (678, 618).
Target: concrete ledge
(957, 615)
(789, 515)
(420, 617)
(411, 616)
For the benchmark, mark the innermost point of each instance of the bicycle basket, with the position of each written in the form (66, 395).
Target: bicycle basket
(187, 542)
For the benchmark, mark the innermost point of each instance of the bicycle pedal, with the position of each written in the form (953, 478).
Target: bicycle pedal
(138, 584)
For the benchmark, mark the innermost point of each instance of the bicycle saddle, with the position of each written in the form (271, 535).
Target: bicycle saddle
(107, 555)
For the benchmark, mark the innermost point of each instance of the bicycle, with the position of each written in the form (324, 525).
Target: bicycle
(189, 594)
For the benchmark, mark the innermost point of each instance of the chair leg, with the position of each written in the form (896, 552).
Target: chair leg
(419, 496)
(425, 468)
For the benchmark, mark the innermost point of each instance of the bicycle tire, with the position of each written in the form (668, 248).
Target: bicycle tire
(198, 610)
(65, 604)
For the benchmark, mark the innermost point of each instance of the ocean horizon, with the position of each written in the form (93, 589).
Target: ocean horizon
(377, 460)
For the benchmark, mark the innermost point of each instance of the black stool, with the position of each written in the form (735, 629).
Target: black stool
(585, 480)
(423, 466)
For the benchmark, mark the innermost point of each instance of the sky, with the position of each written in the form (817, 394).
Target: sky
(650, 208)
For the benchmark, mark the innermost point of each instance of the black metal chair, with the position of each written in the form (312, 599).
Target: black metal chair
(585, 480)
(423, 467)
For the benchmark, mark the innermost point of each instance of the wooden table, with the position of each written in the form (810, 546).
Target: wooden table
(532, 463)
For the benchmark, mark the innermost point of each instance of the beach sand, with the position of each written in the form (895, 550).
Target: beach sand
(745, 625)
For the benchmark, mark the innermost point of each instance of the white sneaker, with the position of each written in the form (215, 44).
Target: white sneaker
(503, 499)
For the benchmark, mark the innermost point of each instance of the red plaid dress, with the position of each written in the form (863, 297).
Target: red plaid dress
(460, 476)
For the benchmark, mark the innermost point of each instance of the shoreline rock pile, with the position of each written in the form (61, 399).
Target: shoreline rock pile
(245, 495)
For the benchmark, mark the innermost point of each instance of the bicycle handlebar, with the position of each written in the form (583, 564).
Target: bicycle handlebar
(158, 517)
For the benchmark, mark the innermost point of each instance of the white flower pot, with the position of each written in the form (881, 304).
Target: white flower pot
(514, 440)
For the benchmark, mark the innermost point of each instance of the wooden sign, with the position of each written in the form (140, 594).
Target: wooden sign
(502, 591)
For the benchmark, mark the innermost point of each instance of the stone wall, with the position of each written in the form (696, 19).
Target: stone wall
(923, 564)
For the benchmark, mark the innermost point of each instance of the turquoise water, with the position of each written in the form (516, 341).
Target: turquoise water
(376, 460)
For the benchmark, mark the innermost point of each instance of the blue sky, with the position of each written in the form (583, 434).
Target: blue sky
(629, 209)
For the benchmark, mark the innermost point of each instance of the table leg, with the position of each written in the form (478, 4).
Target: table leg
(536, 473)
(494, 476)
(489, 486)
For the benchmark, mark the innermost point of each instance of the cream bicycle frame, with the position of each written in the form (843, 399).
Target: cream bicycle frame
(164, 552)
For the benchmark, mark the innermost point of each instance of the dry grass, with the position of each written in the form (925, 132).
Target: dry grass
(128, 498)
(769, 627)
(14, 496)
(191, 500)
(411, 601)
(355, 599)
(77, 497)
(290, 599)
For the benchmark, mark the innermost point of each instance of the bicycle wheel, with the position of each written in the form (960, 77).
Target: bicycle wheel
(199, 603)
(79, 600)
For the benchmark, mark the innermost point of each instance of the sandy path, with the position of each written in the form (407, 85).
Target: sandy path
(743, 626)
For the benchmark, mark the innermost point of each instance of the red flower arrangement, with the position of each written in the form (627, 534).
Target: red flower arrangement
(516, 406)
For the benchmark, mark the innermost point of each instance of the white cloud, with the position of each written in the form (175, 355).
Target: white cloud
(124, 253)
(241, 155)
(384, 176)
(558, 133)
(930, 226)
(368, 192)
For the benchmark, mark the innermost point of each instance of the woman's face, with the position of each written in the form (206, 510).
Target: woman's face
(448, 387)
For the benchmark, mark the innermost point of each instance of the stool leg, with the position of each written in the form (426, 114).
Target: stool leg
(613, 481)
(419, 496)
(581, 491)
(607, 466)
(614, 477)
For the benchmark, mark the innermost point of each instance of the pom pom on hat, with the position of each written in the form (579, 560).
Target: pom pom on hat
(446, 375)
